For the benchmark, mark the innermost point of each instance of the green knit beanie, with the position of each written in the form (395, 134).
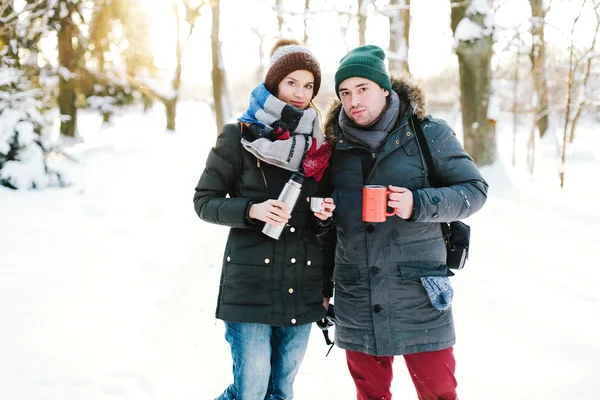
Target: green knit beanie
(364, 62)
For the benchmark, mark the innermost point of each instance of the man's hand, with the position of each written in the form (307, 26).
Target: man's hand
(403, 200)
(274, 212)
(327, 209)
(326, 302)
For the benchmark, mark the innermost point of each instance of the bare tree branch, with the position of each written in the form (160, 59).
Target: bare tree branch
(569, 97)
(586, 77)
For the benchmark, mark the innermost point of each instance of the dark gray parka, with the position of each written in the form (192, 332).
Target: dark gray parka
(267, 281)
(381, 306)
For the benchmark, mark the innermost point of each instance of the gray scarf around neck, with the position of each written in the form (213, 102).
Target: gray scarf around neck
(375, 135)
(282, 135)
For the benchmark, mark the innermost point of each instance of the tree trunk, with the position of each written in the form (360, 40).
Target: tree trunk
(260, 71)
(538, 64)
(406, 24)
(399, 36)
(171, 108)
(571, 105)
(7, 33)
(171, 103)
(67, 96)
(218, 74)
(279, 5)
(515, 106)
(474, 64)
(306, 8)
(362, 24)
(588, 73)
(457, 13)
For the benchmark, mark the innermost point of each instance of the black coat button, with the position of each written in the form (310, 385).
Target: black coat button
(370, 228)
(376, 308)
(374, 270)
(435, 199)
(435, 215)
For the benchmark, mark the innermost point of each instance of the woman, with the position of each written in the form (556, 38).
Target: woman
(271, 290)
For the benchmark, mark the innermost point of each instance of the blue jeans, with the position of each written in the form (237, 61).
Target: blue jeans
(265, 360)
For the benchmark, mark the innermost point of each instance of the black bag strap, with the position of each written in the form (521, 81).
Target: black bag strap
(425, 150)
(432, 174)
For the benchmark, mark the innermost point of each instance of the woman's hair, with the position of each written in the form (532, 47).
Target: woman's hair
(319, 116)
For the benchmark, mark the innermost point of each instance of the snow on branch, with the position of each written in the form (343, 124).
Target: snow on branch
(401, 55)
(481, 7)
(391, 11)
(468, 30)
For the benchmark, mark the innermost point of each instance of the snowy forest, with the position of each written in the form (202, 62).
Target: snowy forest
(61, 57)
(108, 109)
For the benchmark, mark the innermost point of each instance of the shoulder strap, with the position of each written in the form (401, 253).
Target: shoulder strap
(425, 150)
(430, 166)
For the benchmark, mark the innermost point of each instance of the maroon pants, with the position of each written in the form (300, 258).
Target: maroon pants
(432, 373)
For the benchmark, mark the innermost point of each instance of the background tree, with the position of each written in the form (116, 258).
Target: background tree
(184, 13)
(306, 12)
(362, 21)
(578, 97)
(279, 9)
(398, 13)
(8, 35)
(538, 62)
(62, 17)
(116, 24)
(25, 152)
(472, 25)
(221, 102)
(69, 60)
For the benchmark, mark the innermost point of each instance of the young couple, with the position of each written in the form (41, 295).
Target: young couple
(388, 277)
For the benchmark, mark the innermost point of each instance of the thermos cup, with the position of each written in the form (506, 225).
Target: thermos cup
(316, 204)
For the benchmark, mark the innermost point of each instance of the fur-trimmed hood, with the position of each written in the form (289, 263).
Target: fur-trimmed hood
(409, 92)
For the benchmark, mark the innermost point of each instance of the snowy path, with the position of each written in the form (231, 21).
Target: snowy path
(108, 289)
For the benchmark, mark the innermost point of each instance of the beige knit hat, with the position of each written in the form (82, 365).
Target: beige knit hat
(288, 56)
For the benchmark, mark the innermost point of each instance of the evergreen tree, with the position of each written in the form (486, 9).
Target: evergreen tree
(25, 154)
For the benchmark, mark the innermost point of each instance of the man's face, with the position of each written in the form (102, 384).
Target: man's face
(363, 100)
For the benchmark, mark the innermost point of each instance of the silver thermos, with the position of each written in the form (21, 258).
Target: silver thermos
(289, 195)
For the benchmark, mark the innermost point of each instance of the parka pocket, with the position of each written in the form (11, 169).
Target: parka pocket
(247, 276)
(418, 269)
(411, 147)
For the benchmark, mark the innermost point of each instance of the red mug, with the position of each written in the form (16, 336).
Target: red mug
(375, 199)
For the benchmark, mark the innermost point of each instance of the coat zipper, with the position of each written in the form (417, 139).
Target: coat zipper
(261, 172)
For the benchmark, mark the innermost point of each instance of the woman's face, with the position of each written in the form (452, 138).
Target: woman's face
(297, 89)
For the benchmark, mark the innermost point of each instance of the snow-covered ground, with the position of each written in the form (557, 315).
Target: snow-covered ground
(108, 287)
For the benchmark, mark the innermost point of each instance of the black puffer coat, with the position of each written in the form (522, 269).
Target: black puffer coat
(381, 305)
(267, 281)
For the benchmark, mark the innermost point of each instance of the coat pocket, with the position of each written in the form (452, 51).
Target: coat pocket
(419, 269)
(247, 277)
(411, 147)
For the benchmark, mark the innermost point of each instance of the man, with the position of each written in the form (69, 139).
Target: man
(382, 308)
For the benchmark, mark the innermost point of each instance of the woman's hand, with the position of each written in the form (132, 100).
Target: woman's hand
(273, 212)
(327, 208)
